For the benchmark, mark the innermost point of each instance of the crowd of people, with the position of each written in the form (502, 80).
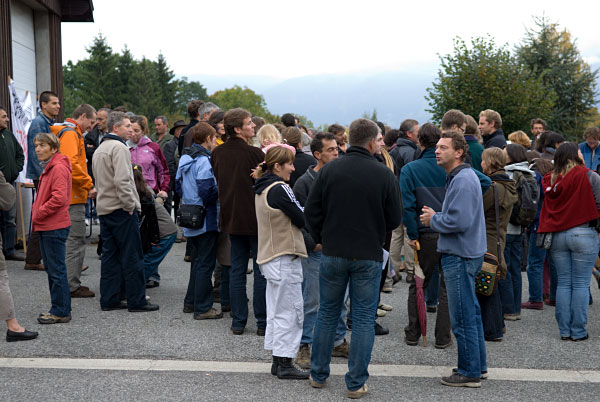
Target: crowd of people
(329, 219)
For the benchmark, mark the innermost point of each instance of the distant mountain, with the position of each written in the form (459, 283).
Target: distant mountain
(341, 98)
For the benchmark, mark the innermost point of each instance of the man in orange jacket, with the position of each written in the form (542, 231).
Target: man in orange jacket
(70, 135)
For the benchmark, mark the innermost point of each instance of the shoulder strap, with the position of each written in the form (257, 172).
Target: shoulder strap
(63, 130)
(497, 220)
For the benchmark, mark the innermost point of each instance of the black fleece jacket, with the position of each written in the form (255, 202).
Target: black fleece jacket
(354, 201)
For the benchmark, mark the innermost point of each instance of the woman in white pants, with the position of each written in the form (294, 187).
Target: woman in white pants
(280, 249)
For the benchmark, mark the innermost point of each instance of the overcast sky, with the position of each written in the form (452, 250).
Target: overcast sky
(295, 38)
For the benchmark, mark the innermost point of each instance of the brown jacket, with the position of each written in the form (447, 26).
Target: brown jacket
(232, 165)
(507, 197)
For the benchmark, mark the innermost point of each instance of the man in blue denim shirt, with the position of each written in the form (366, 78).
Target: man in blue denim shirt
(461, 228)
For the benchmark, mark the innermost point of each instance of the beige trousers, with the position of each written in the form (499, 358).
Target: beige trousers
(399, 247)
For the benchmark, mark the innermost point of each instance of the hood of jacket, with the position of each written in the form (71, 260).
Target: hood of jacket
(143, 141)
(405, 142)
(189, 156)
(521, 166)
(263, 182)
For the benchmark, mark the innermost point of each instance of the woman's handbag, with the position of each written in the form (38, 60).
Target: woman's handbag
(487, 278)
(191, 216)
(543, 240)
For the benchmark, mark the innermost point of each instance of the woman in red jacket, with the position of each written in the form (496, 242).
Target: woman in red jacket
(51, 221)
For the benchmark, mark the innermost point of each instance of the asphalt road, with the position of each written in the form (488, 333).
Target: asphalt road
(532, 344)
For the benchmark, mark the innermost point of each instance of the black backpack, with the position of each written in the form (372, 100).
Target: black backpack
(524, 211)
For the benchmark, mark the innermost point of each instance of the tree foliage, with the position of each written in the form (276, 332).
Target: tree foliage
(143, 86)
(552, 55)
(245, 98)
(484, 76)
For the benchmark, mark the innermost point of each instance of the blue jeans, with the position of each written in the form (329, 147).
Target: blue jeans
(535, 269)
(310, 294)
(364, 277)
(122, 267)
(199, 292)
(574, 252)
(241, 249)
(8, 230)
(510, 288)
(53, 246)
(433, 288)
(465, 314)
(158, 253)
(93, 215)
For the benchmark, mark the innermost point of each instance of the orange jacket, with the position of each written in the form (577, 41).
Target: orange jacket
(73, 147)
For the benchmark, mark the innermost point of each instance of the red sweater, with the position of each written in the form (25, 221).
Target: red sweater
(51, 206)
(569, 202)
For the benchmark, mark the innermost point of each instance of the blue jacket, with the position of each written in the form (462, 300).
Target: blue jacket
(423, 182)
(41, 124)
(197, 185)
(461, 224)
(591, 157)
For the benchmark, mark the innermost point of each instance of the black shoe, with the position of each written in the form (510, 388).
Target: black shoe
(459, 380)
(287, 369)
(410, 342)
(144, 308)
(225, 308)
(274, 365)
(585, 338)
(349, 324)
(566, 338)
(493, 339)
(484, 374)
(379, 330)
(396, 278)
(260, 331)
(237, 331)
(410, 278)
(121, 306)
(188, 309)
(444, 346)
(16, 257)
(431, 309)
(152, 284)
(12, 336)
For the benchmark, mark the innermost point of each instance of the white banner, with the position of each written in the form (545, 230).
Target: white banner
(22, 113)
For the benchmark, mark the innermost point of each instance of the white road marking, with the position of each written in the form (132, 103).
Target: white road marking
(376, 370)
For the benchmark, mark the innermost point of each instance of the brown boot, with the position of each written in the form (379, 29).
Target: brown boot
(341, 350)
(34, 267)
(303, 358)
(81, 292)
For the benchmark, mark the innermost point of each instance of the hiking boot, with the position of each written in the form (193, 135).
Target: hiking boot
(359, 393)
(315, 384)
(47, 318)
(303, 358)
(82, 292)
(484, 374)
(341, 350)
(211, 314)
(512, 317)
(287, 369)
(533, 305)
(459, 380)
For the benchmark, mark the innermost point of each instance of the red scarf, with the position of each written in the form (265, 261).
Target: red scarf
(569, 202)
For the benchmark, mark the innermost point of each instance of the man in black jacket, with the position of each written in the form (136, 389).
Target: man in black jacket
(354, 201)
(489, 125)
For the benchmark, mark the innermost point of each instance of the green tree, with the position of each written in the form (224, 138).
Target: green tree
(187, 91)
(245, 98)
(551, 54)
(484, 76)
(144, 91)
(167, 86)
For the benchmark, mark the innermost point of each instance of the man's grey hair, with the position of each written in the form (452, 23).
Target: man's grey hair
(407, 126)
(205, 109)
(163, 118)
(361, 132)
(104, 109)
(115, 119)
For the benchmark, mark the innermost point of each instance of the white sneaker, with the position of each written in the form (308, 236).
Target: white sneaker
(87, 221)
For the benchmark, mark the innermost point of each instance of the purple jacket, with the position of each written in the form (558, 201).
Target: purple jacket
(148, 155)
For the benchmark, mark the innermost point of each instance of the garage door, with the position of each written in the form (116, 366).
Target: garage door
(23, 48)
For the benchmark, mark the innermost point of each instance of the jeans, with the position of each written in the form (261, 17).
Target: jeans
(122, 260)
(553, 276)
(510, 288)
(8, 229)
(465, 314)
(334, 276)
(158, 253)
(199, 292)
(241, 248)
(93, 215)
(310, 294)
(53, 245)
(574, 252)
(535, 269)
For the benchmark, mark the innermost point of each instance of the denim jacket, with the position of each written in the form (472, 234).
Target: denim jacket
(41, 124)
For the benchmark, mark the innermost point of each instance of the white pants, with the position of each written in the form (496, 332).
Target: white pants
(285, 312)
